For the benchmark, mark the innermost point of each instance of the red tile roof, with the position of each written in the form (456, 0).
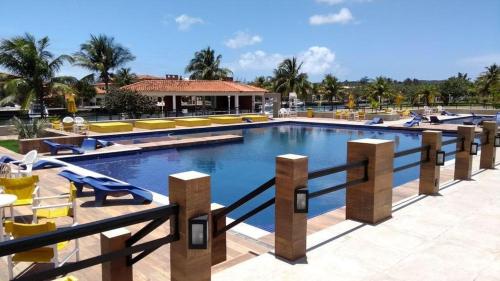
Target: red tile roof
(176, 86)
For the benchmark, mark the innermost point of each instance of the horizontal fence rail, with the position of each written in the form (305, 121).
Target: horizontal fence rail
(157, 216)
(425, 148)
(251, 195)
(338, 169)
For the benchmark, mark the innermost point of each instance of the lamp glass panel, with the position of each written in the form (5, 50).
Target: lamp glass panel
(301, 201)
(197, 235)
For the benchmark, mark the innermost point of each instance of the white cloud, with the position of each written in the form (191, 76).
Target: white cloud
(481, 60)
(330, 2)
(344, 16)
(336, 2)
(317, 60)
(259, 60)
(184, 22)
(242, 39)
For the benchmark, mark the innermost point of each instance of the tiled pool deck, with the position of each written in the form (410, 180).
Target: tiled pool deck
(451, 236)
(243, 248)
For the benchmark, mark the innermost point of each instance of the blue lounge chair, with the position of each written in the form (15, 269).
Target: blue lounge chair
(376, 120)
(103, 143)
(498, 118)
(435, 120)
(6, 159)
(47, 164)
(414, 122)
(55, 147)
(105, 186)
(89, 144)
(447, 113)
(116, 189)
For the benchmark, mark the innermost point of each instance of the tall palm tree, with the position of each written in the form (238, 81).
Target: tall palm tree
(379, 88)
(488, 81)
(206, 66)
(428, 93)
(101, 54)
(288, 78)
(32, 70)
(124, 76)
(331, 87)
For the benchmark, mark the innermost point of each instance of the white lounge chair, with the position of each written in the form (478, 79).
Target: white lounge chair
(25, 165)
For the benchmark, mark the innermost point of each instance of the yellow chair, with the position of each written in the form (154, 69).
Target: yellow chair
(344, 115)
(25, 188)
(362, 115)
(48, 254)
(55, 211)
(57, 125)
(338, 114)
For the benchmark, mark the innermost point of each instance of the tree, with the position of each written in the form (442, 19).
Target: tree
(129, 102)
(487, 83)
(83, 88)
(455, 87)
(32, 70)
(288, 78)
(428, 93)
(206, 66)
(124, 76)
(101, 54)
(379, 88)
(263, 82)
(332, 88)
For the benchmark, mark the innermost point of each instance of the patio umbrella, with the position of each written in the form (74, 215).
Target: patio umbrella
(71, 104)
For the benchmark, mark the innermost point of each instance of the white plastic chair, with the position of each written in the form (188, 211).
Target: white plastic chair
(68, 119)
(283, 112)
(78, 120)
(292, 113)
(27, 162)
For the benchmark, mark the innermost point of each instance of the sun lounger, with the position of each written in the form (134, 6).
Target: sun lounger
(414, 122)
(435, 120)
(89, 144)
(55, 147)
(47, 164)
(103, 143)
(376, 120)
(447, 113)
(116, 189)
(6, 159)
(105, 186)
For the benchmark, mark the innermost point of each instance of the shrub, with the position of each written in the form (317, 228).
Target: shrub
(29, 130)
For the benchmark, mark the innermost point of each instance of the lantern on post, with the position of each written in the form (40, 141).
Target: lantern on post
(198, 232)
(474, 147)
(440, 157)
(301, 200)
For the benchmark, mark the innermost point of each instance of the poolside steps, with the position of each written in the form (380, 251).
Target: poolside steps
(189, 142)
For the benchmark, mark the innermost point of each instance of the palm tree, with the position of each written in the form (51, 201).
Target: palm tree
(206, 66)
(429, 93)
(83, 88)
(263, 82)
(332, 88)
(101, 54)
(32, 70)
(288, 78)
(380, 88)
(124, 76)
(487, 82)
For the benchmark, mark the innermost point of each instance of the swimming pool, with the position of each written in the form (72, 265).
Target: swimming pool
(237, 168)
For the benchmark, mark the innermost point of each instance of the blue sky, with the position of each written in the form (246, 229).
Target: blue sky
(350, 38)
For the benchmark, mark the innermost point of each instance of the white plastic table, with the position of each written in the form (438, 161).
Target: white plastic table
(6, 200)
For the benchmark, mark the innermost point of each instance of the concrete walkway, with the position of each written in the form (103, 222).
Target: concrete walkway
(452, 236)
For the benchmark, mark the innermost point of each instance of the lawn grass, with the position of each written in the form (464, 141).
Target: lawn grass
(10, 144)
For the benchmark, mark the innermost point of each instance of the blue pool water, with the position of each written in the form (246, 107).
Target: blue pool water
(237, 168)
